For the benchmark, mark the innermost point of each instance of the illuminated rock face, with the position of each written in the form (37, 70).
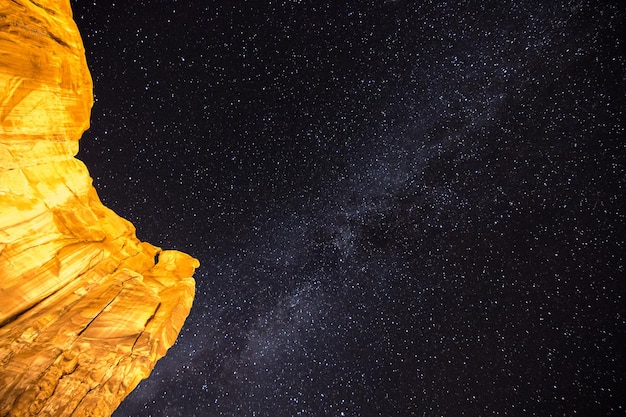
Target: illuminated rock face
(84, 311)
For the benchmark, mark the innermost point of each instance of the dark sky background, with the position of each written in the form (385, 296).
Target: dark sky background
(401, 208)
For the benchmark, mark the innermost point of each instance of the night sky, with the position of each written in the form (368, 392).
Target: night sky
(401, 208)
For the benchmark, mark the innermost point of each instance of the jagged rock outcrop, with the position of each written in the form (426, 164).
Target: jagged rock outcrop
(85, 312)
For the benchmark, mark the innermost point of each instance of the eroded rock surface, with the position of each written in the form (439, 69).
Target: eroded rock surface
(85, 312)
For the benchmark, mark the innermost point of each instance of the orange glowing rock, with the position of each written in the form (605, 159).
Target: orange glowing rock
(84, 311)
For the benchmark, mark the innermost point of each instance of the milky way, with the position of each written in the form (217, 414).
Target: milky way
(399, 208)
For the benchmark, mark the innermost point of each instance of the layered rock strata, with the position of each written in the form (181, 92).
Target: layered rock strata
(86, 309)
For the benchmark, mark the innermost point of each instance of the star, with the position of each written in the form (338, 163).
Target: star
(399, 208)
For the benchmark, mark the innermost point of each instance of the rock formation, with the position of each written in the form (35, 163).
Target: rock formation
(85, 311)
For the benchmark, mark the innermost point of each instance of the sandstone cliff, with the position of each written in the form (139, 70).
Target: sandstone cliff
(84, 310)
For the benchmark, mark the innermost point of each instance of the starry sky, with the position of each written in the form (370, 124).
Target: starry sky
(401, 208)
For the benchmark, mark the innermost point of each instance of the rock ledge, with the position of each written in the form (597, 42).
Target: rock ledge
(85, 311)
